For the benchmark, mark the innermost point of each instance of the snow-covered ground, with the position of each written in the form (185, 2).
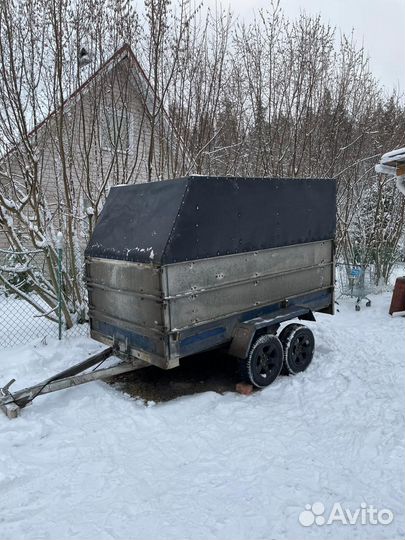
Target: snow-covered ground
(91, 462)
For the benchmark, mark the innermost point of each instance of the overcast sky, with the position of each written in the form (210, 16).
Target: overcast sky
(378, 24)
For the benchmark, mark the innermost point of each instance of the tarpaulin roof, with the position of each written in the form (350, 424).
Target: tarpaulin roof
(200, 217)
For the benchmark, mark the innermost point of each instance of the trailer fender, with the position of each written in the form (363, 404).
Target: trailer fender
(245, 331)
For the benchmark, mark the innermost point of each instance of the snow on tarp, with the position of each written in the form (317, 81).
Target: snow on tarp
(200, 217)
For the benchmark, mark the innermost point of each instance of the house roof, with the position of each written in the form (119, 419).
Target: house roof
(125, 51)
(120, 54)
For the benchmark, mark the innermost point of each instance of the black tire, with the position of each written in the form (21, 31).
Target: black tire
(264, 363)
(368, 303)
(299, 344)
(357, 307)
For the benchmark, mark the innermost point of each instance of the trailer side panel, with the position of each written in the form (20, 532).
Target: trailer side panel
(209, 289)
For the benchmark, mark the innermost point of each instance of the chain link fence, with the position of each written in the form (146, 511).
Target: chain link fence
(24, 315)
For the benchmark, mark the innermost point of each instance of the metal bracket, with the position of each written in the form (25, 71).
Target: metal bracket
(10, 409)
(5, 390)
(245, 331)
(309, 316)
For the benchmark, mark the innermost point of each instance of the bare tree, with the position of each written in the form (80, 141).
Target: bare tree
(275, 97)
(55, 165)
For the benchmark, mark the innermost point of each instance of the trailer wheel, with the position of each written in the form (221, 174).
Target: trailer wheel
(264, 362)
(299, 344)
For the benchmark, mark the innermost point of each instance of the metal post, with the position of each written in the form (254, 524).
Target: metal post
(59, 247)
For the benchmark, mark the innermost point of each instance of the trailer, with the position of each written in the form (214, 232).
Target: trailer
(183, 266)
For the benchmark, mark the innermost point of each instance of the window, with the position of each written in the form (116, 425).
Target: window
(117, 130)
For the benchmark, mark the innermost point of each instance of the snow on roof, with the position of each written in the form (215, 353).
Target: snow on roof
(393, 157)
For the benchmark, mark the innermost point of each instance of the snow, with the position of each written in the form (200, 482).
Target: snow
(59, 240)
(394, 155)
(91, 462)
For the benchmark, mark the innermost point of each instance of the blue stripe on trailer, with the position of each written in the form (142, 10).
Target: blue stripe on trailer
(202, 336)
(208, 336)
(138, 341)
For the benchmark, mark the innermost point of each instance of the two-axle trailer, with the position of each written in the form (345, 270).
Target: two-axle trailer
(183, 266)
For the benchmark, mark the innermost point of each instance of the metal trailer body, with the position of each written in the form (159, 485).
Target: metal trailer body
(183, 266)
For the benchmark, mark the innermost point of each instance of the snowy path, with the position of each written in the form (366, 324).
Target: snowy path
(90, 462)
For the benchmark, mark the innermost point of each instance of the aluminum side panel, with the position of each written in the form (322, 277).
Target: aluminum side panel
(125, 276)
(126, 292)
(206, 273)
(200, 291)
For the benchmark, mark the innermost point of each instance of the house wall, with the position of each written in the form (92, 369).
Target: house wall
(74, 168)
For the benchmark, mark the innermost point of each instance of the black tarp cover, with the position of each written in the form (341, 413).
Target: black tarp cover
(200, 217)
